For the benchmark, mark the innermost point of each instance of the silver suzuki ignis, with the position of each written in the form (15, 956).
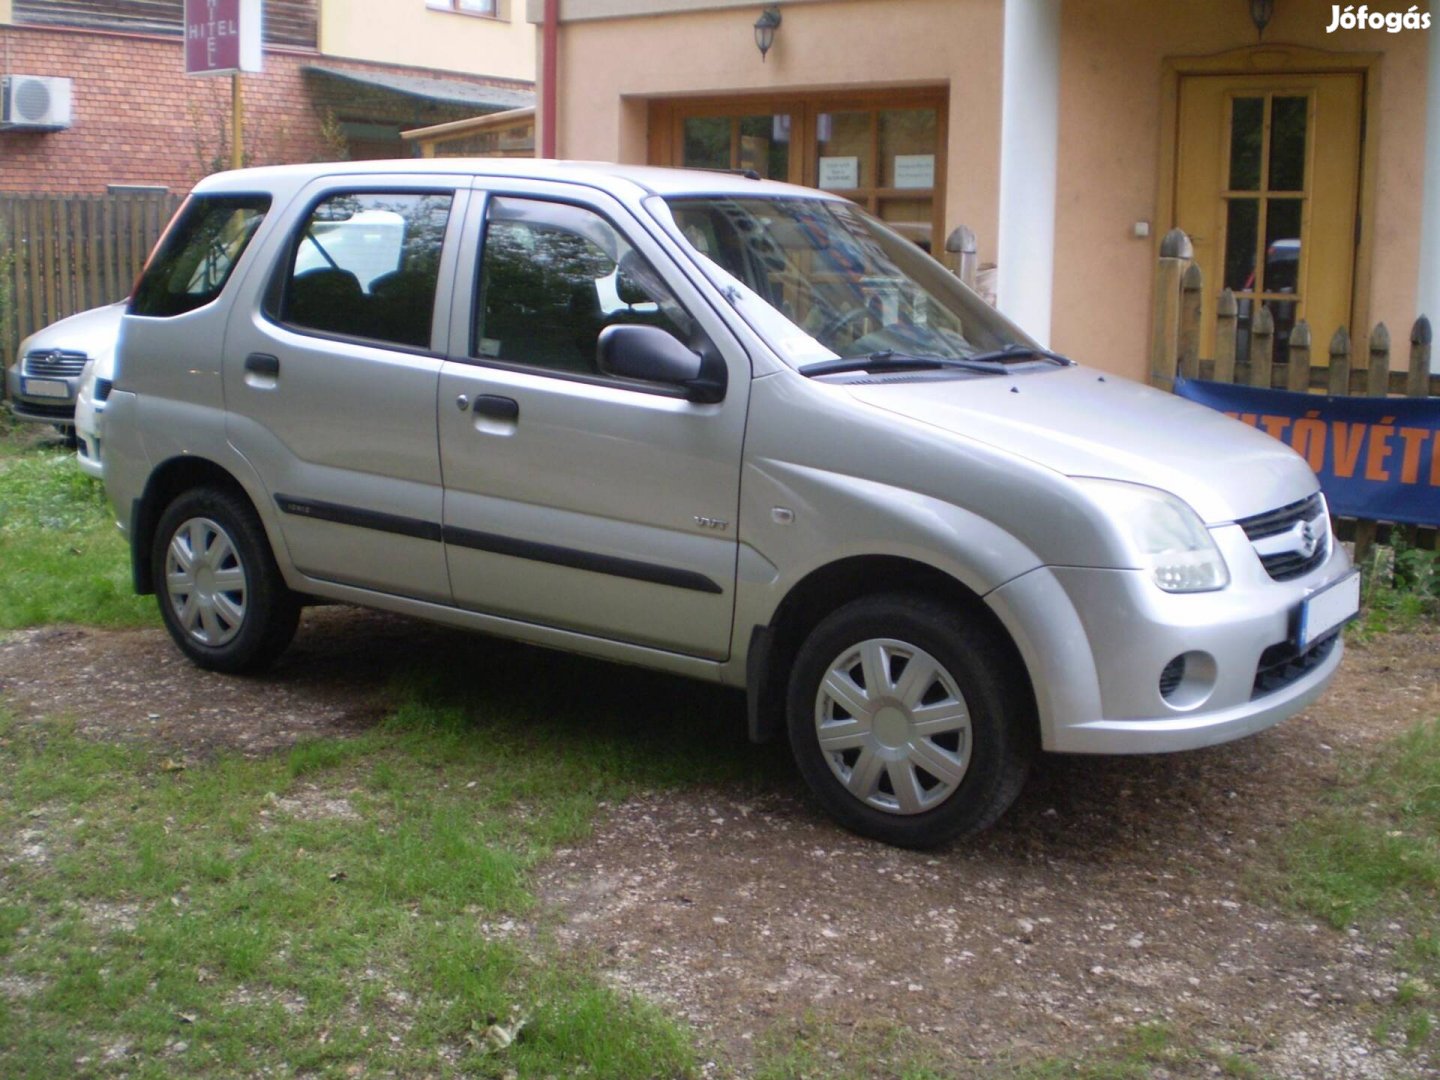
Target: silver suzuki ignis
(724, 428)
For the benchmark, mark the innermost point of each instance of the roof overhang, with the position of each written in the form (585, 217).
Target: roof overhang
(481, 98)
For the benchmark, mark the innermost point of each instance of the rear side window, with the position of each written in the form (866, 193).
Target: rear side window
(366, 265)
(199, 251)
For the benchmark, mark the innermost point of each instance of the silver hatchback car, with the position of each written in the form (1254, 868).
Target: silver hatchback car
(725, 428)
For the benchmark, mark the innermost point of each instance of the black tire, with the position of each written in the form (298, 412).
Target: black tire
(977, 689)
(247, 627)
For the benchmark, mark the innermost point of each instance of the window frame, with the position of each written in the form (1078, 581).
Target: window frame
(499, 9)
(272, 297)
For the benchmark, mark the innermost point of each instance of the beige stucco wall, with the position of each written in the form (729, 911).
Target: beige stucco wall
(1113, 54)
(406, 32)
(607, 70)
(1110, 130)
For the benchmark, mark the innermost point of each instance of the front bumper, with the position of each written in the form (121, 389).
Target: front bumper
(41, 409)
(1097, 643)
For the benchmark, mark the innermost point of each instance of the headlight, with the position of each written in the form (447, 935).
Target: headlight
(1163, 535)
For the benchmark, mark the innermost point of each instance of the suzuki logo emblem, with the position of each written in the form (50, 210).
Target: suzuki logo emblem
(1308, 540)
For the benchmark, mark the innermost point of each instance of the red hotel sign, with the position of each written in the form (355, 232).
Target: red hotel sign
(222, 36)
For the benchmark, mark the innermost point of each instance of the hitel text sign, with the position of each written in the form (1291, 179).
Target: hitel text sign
(222, 36)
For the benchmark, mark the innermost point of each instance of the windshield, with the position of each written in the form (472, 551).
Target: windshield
(851, 286)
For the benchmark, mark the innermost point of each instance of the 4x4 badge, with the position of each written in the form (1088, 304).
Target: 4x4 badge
(711, 523)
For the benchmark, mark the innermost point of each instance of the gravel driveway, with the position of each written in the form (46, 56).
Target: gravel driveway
(1113, 893)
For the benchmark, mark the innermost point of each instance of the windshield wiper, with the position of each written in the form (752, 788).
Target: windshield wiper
(889, 360)
(1016, 351)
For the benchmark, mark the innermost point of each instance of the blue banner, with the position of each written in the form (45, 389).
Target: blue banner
(1377, 458)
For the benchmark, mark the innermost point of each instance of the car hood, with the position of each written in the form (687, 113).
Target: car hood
(92, 332)
(1080, 422)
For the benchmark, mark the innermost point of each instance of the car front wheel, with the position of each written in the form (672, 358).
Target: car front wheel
(221, 595)
(908, 721)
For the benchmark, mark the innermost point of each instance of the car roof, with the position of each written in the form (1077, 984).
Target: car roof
(633, 180)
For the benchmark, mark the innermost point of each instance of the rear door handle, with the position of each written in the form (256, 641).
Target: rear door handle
(259, 363)
(495, 407)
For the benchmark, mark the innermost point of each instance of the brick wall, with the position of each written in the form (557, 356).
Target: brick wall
(137, 119)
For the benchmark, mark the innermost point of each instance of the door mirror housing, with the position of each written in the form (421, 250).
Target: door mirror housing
(650, 354)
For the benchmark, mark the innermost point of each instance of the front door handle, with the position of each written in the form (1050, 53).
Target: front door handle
(496, 407)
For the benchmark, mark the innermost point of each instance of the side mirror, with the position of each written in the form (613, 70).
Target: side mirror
(649, 354)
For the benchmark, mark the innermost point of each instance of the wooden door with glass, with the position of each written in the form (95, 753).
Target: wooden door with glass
(884, 151)
(1267, 183)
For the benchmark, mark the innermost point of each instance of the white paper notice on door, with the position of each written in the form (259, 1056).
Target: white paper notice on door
(839, 173)
(914, 170)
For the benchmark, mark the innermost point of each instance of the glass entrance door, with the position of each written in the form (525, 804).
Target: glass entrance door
(886, 151)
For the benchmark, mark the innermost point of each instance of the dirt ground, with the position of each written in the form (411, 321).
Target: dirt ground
(1113, 893)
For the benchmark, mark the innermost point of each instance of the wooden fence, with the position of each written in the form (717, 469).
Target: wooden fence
(63, 254)
(1343, 368)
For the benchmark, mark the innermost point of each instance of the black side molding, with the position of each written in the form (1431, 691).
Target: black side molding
(554, 554)
(363, 519)
(613, 565)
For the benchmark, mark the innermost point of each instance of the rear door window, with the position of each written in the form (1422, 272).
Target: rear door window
(198, 253)
(366, 265)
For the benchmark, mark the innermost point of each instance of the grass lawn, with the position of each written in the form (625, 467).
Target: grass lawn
(61, 557)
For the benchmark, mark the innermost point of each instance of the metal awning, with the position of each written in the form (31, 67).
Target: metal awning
(424, 88)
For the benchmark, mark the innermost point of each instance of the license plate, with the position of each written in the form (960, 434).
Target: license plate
(45, 388)
(1333, 606)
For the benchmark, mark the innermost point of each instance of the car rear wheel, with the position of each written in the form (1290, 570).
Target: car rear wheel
(221, 595)
(908, 720)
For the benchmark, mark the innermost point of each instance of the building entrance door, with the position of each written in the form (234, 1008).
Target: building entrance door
(1267, 182)
(886, 151)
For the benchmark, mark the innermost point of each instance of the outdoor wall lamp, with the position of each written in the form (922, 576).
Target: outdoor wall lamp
(1260, 13)
(765, 27)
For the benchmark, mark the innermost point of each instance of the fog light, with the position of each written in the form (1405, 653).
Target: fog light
(1188, 680)
(1171, 676)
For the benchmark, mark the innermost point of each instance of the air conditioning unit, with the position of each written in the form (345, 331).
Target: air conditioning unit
(35, 103)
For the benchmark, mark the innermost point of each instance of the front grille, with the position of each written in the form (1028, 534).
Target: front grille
(1293, 564)
(1268, 532)
(1273, 522)
(1280, 665)
(54, 363)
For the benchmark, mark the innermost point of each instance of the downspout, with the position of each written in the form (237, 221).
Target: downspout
(549, 91)
(1427, 302)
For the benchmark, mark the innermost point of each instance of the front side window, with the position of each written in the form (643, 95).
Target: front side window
(552, 276)
(851, 286)
(199, 250)
(366, 265)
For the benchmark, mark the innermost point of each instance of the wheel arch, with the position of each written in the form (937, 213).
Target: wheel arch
(773, 647)
(168, 480)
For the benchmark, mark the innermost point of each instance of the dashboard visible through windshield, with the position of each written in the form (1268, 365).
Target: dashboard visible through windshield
(852, 286)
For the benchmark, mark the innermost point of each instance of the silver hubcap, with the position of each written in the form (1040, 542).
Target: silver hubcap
(893, 726)
(206, 582)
